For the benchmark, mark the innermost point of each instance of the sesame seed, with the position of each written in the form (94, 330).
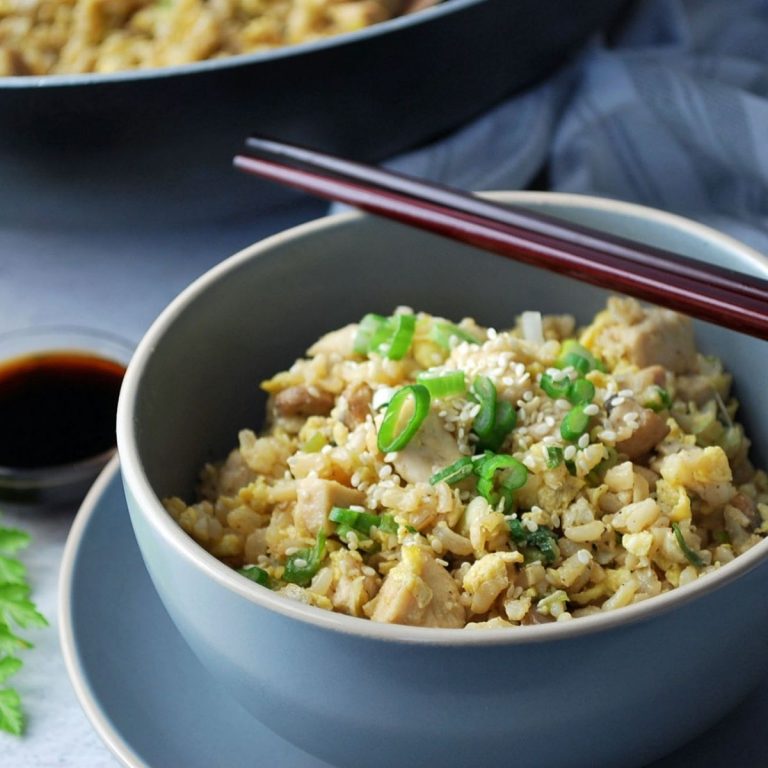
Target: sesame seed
(630, 418)
(583, 441)
(569, 452)
(563, 405)
(550, 421)
(583, 556)
(391, 456)
(291, 551)
(356, 508)
(608, 435)
(616, 401)
(626, 393)
(530, 525)
(527, 396)
(300, 562)
(385, 471)
(591, 410)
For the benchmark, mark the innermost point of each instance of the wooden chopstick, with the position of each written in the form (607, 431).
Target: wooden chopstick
(716, 295)
(459, 200)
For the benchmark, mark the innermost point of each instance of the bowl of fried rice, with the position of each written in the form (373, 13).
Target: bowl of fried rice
(415, 504)
(125, 113)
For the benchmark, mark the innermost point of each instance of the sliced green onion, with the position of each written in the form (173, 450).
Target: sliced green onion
(555, 389)
(362, 521)
(454, 473)
(445, 384)
(304, 564)
(579, 357)
(690, 555)
(254, 573)
(443, 331)
(506, 419)
(581, 391)
(485, 392)
(575, 423)
(392, 436)
(315, 443)
(662, 402)
(515, 476)
(367, 328)
(387, 336)
(554, 456)
(402, 336)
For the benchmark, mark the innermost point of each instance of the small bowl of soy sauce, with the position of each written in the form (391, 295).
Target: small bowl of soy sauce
(58, 399)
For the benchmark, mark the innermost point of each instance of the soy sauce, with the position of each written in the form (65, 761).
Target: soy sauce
(57, 408)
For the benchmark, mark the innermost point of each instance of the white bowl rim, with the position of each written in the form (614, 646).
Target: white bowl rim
(237, 60)
(173, 535)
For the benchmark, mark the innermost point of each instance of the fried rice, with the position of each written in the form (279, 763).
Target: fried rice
(417, 471)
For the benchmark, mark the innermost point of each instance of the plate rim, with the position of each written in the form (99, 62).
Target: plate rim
(88, 701)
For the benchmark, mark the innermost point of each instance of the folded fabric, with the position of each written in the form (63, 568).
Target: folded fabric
(673, 115)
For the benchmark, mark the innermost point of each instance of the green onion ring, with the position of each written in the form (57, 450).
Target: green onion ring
(445, 384)
(555, 389)
(581, 392)
(575, 423)
(390, 437)
(402, 336)
(485, 391)
(367, 328)
(455, 472)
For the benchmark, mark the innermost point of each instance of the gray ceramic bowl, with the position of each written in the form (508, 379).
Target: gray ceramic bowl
(617, 689)
(155, 146)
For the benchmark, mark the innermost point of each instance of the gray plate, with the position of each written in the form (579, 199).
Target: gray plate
(155, 706)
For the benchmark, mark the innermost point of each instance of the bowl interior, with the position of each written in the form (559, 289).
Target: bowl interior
(254, 315)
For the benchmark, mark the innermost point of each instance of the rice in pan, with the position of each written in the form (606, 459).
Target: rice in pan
(42, 37)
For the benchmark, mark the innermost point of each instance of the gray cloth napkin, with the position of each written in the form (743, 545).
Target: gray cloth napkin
(673, 115)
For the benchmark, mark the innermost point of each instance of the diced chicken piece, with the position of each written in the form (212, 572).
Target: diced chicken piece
(637, 381)
(651, 429)
(353, 585)
(646, 336)
(303, 401)
(432, 448)
(418, 592)
(314, 499)
(705, 471)
(487, 578)
(340, 342)
(358, 397)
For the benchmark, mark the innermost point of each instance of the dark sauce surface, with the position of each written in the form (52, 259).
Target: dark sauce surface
(56, 408)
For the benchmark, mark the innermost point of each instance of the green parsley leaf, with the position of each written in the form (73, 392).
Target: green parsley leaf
(9, 665)
(11, 717)
(16, 606)
(10, 642)
(17, 609)
(12, 539)
(12, 571)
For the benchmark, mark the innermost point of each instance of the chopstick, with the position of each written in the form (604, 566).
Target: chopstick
(711, 293)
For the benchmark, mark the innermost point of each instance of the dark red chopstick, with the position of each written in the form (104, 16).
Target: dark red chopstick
(688, 290)
(524, 220)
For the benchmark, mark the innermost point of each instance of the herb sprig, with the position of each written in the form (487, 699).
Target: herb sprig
(16, 610)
